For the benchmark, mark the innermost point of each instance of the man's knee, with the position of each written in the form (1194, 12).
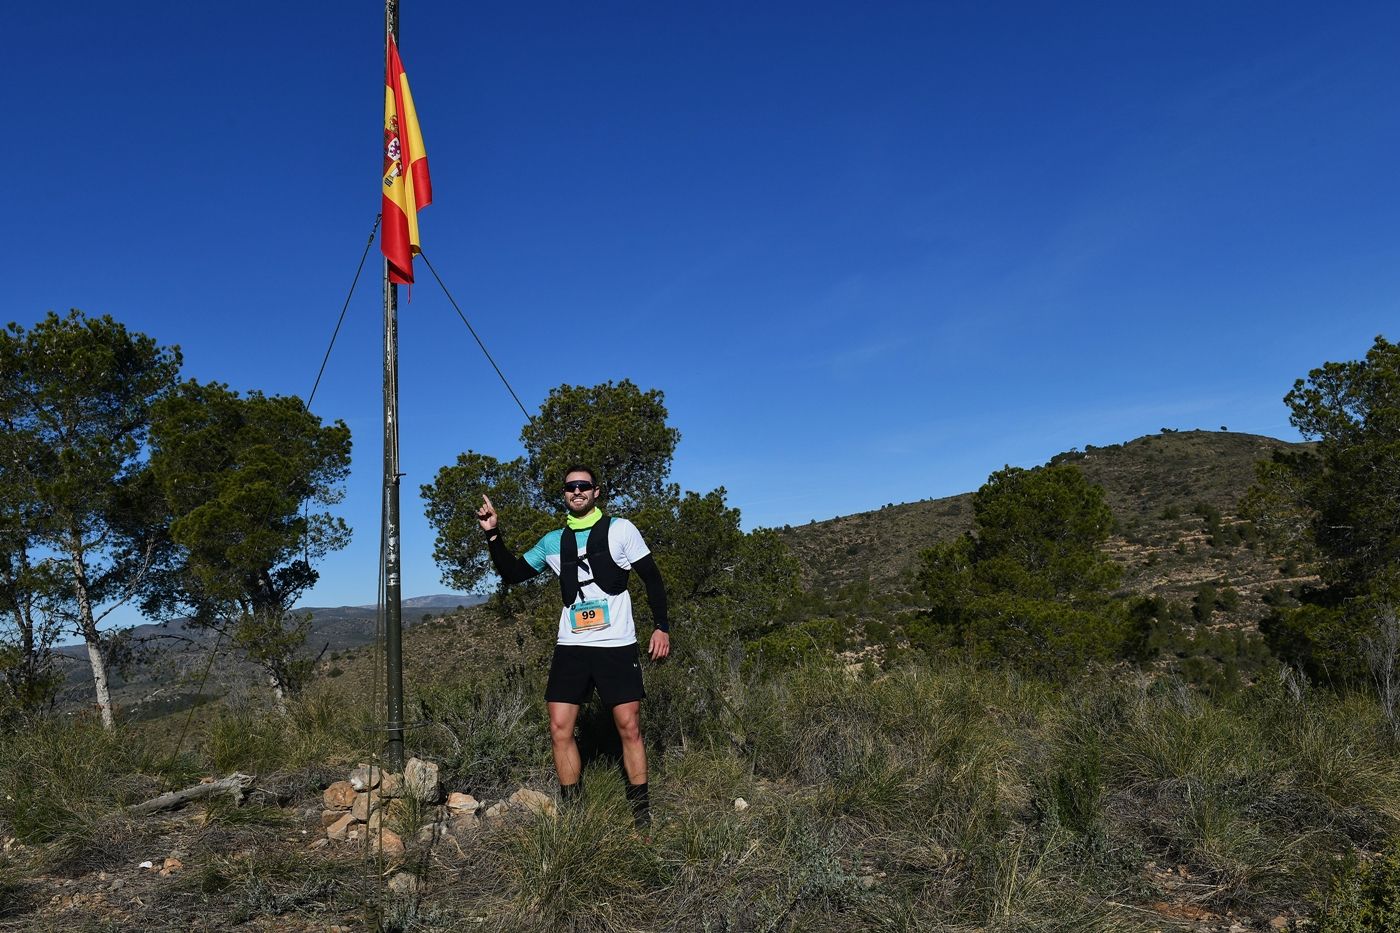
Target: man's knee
(561, 725)
(629, 722)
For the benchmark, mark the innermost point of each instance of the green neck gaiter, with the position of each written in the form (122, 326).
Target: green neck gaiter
(588, 521)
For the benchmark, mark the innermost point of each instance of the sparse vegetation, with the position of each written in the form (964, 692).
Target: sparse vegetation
(910, 799)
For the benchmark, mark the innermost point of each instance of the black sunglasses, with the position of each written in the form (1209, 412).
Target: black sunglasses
(578, 485)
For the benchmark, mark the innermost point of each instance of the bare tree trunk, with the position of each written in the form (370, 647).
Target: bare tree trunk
(88, 626)
(279, 695)
(99, 681)
(24, 613)
(1383, 656)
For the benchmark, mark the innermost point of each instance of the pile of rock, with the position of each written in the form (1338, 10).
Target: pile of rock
(371, 797)
(371, 801)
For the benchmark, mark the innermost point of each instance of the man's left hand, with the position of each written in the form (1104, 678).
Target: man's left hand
(660, 645)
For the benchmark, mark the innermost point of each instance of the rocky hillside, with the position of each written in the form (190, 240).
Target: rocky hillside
(1175, 496)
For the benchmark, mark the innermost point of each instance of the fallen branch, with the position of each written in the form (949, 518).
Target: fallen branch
(234, 784)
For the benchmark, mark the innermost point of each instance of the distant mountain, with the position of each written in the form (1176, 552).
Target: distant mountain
(174, 654)
(442, 601)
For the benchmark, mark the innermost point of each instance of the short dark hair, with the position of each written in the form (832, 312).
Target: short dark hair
(582, 468)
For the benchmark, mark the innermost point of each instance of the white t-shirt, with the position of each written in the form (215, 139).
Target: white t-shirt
(626, 546)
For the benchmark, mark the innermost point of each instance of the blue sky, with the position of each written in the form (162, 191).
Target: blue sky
(870, 251)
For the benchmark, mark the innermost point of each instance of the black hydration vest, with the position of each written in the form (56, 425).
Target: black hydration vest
(611, 578)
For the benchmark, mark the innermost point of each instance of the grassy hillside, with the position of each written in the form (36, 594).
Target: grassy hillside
(1163, 490)
(921, 799)
(913, 798)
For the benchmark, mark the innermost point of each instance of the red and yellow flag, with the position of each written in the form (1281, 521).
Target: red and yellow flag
(407, 188)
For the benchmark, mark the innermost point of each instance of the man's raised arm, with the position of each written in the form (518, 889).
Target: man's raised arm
(512, 569)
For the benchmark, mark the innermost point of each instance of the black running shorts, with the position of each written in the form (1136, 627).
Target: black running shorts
(577, 669)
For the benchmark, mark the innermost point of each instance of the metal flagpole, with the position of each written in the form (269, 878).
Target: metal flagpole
(393, 596)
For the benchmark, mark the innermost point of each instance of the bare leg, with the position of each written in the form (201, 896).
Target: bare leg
(562, 717)
(628, 717)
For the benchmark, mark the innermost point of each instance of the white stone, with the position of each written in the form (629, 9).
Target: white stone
(534, 801)
(365, 777)
(420, 779)
(460, 801)
(403, 883)
(740, 804)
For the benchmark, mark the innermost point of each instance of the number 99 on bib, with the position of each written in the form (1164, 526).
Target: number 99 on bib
(588, 616)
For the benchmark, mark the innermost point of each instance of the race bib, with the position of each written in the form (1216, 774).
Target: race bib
(588, 616)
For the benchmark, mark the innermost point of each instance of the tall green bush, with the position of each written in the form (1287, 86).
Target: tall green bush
(1343, 498)
(1029, 586)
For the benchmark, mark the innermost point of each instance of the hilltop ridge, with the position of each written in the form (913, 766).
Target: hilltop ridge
(1161, 487)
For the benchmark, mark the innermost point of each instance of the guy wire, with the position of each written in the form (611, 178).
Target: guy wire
(214, 651)
(455, 307)
(343, 309)
(209, 665)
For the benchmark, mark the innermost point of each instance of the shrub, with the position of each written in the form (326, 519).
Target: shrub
(1042, 637)
(798, 644)
(489, 734)
(553, 869)
(1204, 603)
(253, 739)
(1364, 898)
(1324, 640)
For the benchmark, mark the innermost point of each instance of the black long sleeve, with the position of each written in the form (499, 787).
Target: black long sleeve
(511, 568)
(656, 591)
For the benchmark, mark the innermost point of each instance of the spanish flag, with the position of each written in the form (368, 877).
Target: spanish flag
(407, 188)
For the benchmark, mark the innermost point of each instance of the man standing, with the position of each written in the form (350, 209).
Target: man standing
(597, 645)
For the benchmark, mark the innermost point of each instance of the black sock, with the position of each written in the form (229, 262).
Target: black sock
(570, 793)
(641, 804)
